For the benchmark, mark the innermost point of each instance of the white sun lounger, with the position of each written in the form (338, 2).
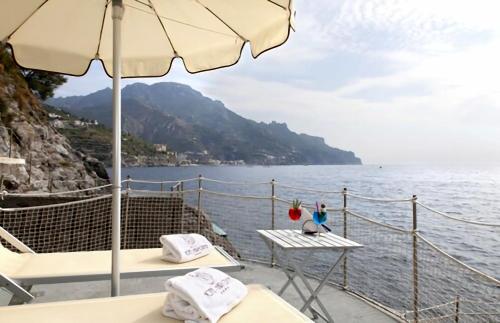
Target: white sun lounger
(260, 305)
(19, 271)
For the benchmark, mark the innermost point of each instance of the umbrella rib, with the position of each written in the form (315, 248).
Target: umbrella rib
(143, 3)
(277, 4)
(164, 29)
(178, 21)
(27, 18)
(283, 7)
(102, 28)
(220, 19)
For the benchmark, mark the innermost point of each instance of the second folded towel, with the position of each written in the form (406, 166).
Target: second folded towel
(181, 248)
(203, 295)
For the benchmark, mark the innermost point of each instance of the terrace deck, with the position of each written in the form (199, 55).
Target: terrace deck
(343, 307)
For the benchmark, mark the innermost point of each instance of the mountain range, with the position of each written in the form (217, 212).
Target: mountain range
(187, 121)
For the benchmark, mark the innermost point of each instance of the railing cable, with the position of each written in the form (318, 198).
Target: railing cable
(308, 189)
(375, 199)
(58, 193)
(447, 255)
(236, 195)
(377, 222)
(234, 183)
(458, 219)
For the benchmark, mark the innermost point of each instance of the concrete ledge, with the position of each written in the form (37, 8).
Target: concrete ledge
(12, 161)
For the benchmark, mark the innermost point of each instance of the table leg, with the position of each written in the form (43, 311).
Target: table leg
(296, 270)
(291, 276)
(323, 281)
(299, 271)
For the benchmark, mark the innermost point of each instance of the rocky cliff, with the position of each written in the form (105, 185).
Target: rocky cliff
(94, 139)
(191, 123)
(50, 161)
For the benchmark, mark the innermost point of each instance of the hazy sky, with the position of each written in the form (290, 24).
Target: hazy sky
(394, 81)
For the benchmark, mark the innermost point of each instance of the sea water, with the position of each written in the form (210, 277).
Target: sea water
(469, 192)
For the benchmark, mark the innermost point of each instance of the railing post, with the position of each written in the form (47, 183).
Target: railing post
(10, 142)
(29, 165)
(1, 184)
(127, 201)
(199, 202)
(457, 308)
(50, 182)
(344, 193)
(127, 183)
(415, 259)
(273, 217)
(182, 206)
(161, 187)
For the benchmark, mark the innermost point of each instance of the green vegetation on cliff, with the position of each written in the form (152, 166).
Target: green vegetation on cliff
(94, 139)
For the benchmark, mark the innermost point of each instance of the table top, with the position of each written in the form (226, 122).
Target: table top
(295, 239)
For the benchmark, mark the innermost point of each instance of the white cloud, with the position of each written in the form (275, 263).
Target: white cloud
(365, 24)
(433, 65)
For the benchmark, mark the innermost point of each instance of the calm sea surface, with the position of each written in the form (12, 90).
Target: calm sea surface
(471, 193)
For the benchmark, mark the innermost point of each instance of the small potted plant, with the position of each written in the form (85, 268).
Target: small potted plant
(295, 212)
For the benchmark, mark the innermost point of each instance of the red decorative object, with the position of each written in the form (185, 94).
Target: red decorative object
(294, 213)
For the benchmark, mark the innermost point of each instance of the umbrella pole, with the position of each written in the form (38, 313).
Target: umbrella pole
(117, 131)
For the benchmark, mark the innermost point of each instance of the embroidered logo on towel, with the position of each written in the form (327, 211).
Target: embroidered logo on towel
(195, 250)
(220, 287)
(204, 277)
(188, 240)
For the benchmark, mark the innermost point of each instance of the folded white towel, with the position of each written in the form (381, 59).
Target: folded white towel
(180, 248)
(203, 295)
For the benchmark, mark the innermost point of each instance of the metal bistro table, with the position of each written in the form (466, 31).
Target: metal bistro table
(289, 241)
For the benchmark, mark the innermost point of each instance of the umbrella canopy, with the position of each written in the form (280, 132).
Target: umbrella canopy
(64, 36)
(138, 38)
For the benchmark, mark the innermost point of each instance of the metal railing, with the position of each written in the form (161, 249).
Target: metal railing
(419, 308)
(399, 269)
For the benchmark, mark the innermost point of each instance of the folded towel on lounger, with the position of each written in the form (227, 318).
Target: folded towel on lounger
(203, 295)
(180, 248)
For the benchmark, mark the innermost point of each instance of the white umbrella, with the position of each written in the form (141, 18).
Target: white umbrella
(138, 38)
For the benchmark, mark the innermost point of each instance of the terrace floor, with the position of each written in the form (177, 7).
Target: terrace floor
(342, 306)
